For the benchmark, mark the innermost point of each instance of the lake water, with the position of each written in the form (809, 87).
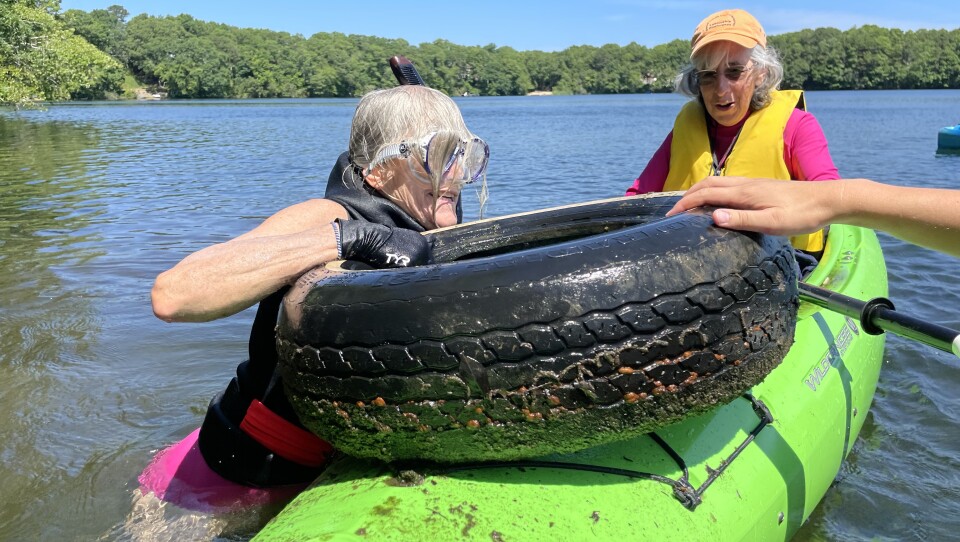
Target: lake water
(97, 199)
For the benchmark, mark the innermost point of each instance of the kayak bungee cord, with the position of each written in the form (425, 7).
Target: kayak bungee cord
(689, 496)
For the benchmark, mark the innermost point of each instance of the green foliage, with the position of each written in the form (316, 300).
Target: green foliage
(664, 62)
(103, 28)
(40, 57)
(869, 57)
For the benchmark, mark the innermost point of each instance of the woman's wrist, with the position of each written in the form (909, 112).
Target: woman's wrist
(848, 201)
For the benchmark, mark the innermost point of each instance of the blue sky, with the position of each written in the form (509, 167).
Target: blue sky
(547, 25)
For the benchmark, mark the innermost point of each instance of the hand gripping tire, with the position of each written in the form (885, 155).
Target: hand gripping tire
(538, 333)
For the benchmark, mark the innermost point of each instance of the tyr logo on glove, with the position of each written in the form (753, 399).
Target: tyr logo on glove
(398, 259)
(381, 246)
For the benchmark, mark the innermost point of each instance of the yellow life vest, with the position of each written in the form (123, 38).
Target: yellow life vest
(758, 151)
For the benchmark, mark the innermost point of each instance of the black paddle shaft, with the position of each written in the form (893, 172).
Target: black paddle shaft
(878, 315)
(404, 71)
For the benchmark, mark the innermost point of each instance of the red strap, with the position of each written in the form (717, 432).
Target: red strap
(283, 437)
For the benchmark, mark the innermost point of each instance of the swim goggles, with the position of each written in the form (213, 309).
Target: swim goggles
(453, 158)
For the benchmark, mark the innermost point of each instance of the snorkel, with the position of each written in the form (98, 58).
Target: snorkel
(404, 71)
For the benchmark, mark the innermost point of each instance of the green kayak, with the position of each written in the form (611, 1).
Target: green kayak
(754, 468)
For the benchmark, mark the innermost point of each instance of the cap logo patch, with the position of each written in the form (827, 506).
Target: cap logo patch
(723, 20)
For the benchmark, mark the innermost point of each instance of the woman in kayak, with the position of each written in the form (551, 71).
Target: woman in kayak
(410, 154)
(929, 217)
(739, 124)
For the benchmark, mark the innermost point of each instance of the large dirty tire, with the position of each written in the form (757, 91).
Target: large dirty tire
(547, 332)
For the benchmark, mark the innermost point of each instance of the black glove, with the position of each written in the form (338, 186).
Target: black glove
(381, 246)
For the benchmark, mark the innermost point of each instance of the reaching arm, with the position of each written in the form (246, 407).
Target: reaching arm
(927, 217)
(225, 278)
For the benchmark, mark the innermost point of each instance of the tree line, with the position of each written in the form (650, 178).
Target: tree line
(86, 55)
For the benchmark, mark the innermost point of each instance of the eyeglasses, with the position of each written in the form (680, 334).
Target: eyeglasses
(706, 78)
(453, 158)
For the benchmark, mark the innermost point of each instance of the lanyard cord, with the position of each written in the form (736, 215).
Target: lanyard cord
(718, 165)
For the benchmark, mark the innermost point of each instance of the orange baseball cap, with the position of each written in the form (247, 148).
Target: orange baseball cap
(733, 25)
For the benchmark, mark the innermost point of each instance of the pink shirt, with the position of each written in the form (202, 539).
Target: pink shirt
(804, 151)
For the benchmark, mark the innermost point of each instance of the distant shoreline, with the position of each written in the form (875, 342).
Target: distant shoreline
(155, 97)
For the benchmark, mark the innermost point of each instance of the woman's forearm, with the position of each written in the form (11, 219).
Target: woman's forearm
(927, 217)
(224, 279)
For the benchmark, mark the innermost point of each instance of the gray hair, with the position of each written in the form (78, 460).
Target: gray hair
(765, 58)
(406, 113)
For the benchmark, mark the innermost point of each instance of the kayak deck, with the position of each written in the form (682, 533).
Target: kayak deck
(753, 468)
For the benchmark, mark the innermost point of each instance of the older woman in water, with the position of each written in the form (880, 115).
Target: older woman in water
(409, 155)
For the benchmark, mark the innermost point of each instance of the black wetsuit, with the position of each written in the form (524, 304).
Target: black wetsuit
(227, 449)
